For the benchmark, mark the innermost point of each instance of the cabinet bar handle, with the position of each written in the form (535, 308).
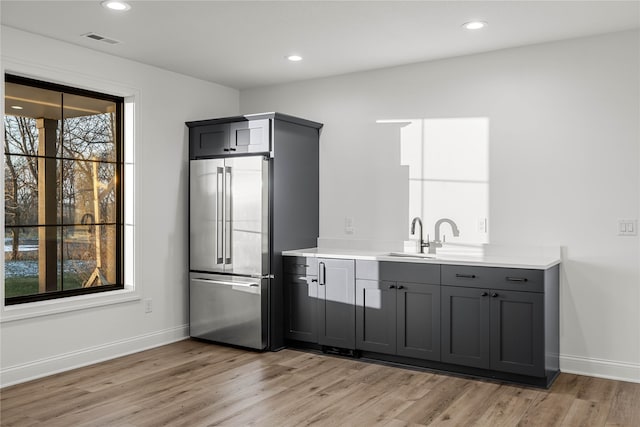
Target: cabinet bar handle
(495, 294)
(314, 280)
(484, 294)
(321, 273)
(517, 279)
(466, 276)
(400, 287)
(392, 287)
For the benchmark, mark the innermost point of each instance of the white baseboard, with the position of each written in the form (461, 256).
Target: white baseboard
(609, 369)
(64, 362)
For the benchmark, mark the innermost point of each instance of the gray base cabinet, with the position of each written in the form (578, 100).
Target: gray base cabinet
(517, 332)
(319, 299)
(488, 325)
(336, 303)
(376, 316)
(485, 321)
(301, 299)
(465, 326)
(394, 316)
(418, 330)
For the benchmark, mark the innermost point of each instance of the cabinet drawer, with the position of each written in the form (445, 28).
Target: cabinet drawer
(411, 272)
(368, 270)
(515, 279)
(300, 265)
(205, 141)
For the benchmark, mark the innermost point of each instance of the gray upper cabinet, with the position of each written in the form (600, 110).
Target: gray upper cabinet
(211, 140)
(250, 136)
(224, 139)
(336, 298)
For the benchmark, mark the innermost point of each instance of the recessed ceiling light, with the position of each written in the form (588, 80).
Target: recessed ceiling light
(116, 5)
(474, 25)
(17, 107)
(294, 58)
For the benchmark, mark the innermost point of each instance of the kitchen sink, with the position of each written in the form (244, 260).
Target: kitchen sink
(411, 255)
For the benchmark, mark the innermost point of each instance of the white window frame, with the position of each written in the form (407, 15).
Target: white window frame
(132, 288)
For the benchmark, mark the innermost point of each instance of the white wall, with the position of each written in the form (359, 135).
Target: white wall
(36, 346)
(563, 167)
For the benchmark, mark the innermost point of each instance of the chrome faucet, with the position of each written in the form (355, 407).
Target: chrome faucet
(437, 243)
(422, 243)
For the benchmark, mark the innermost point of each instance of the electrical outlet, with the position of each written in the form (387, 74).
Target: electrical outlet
(148, 305)
(348, 225)
(482, 225)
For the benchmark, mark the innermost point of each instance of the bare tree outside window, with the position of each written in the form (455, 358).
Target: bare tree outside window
(63, 221)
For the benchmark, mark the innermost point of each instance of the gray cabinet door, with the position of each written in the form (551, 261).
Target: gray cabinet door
(465, 326)
(336, 297)
(517, 332)
(250, 137)
(418, 320)
(210, 140)
(301, 307)
(376, 316)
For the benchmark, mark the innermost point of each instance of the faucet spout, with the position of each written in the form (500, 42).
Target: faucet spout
(454, 227)
(422, 243)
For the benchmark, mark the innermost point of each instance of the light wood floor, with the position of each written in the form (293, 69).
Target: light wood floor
(191, 383)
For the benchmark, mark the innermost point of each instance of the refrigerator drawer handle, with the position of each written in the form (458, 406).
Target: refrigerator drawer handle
(221, 282)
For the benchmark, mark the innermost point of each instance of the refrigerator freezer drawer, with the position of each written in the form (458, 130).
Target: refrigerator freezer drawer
(227, 309)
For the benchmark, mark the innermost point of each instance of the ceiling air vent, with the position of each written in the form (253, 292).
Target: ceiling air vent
(100, 38)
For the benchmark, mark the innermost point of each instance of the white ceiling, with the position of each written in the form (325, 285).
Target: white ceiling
(243, 44)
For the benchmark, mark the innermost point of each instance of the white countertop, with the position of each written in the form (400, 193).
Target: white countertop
(541, 262)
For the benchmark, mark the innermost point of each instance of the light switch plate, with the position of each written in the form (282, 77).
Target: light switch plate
(627, 227)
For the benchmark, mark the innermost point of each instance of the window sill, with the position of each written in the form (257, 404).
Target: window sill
(62, 305)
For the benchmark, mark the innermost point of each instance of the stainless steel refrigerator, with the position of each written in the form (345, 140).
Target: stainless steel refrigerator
(249, 176)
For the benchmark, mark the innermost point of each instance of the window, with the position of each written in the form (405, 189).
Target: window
(63, 191)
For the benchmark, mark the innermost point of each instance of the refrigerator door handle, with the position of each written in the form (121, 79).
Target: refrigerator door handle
(219, 217)
(228, 214)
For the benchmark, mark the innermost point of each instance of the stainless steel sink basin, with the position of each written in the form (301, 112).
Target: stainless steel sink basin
(411, 255)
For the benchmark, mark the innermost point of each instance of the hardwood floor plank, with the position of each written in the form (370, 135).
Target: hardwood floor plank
(507, 406)
(586, 413)
(193, 383)
(425, 410)
(597, 389)
(625, 406)
(548, 409)
(469, 406)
